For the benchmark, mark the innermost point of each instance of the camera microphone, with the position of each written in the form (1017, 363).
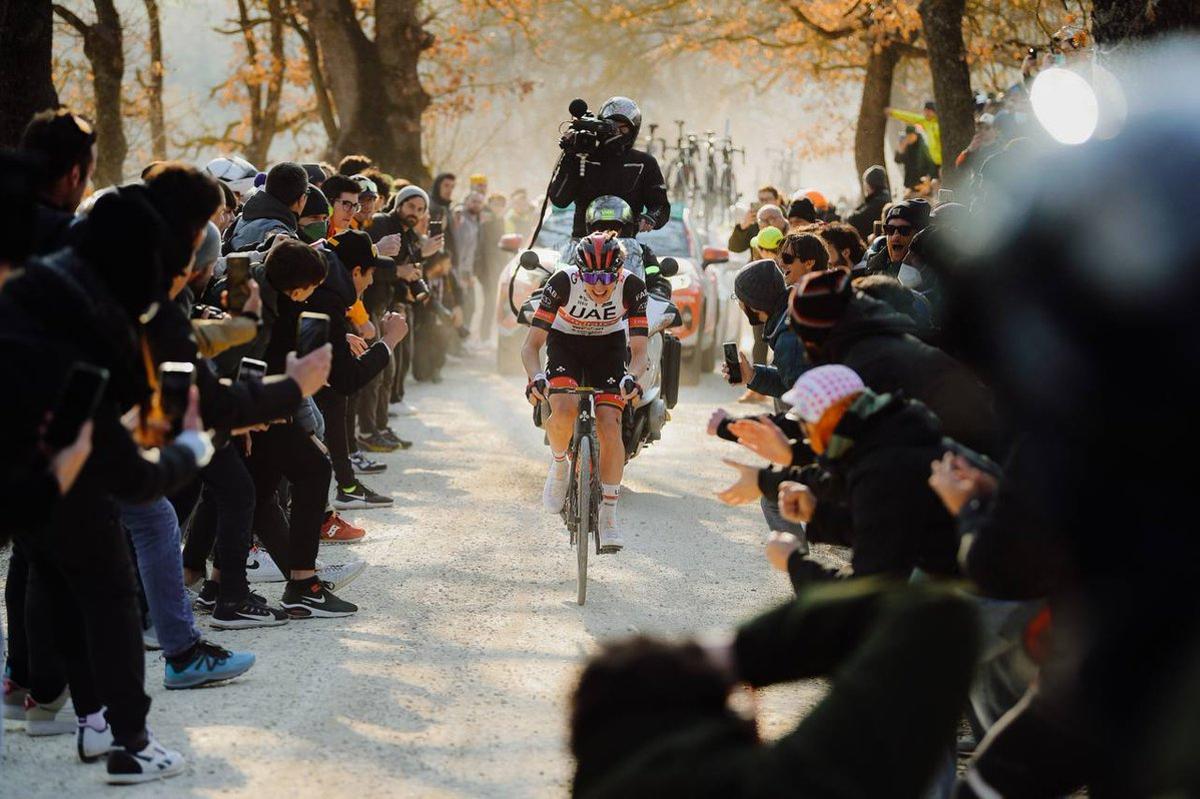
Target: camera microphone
(578, 107)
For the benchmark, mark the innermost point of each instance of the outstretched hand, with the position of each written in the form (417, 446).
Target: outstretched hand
(745, 489)
(764, 438)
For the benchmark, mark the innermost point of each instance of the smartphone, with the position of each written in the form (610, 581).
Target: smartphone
(945, 196)
(877, 228)
(175, 381)
(76, 404)
(237, 281)
(435, 227)
(733, 363)
(251, 370)
(312, 332)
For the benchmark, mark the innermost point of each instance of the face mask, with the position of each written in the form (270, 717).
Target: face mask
(313, 231)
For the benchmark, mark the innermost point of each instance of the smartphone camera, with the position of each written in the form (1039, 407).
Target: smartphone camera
(733, 363)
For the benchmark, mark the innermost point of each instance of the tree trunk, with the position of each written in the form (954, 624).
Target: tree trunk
(26, 38)
(1116, 21)
(264, 106)
(941, 21)
(320, 88)
(103, 44)
(871, 130)
(158, 128)
(375, 86)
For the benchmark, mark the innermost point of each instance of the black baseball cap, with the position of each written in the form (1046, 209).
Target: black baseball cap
(355, 248)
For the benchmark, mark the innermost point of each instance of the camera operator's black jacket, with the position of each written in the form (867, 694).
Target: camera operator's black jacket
(633, 175)
(56, 313)
(333, 297)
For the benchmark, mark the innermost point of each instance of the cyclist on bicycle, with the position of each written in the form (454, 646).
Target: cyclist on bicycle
(612, 214)
(585, 312)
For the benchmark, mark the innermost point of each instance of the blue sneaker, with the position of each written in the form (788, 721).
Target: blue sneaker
(208, 663)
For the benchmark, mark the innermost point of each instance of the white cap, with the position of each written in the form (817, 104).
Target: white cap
(819, 389)
(234, 171)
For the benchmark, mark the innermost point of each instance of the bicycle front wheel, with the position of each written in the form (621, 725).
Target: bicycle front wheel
(584, 500)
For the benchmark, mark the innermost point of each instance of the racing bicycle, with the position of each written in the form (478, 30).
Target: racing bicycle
(582, 507)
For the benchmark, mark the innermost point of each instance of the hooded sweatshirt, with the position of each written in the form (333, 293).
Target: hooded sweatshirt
(262, 216)
(440, 209)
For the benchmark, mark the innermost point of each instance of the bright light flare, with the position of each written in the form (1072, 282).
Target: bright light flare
(1065, 105)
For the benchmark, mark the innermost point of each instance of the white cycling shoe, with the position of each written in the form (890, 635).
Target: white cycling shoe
(555, 492)
(611, 540)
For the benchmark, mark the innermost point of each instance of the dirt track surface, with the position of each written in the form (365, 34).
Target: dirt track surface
(454, 677)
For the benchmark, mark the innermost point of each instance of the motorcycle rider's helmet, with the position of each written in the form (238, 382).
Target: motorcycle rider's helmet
(599, 258)
(608, 213)
(622, 109)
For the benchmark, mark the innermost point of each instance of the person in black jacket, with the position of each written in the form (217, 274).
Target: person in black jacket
(79, 305)
(618, 169)
(870, 490)
(839, 325)
(353, 260)
(875, 197)
(65, 143)
(652, 719)
(904, 221)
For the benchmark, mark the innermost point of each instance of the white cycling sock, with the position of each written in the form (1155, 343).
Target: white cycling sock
(560, 462)
(610, 493)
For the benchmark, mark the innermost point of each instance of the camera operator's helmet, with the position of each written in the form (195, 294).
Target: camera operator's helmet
(608, 213)
(624, 110)
(599, 258)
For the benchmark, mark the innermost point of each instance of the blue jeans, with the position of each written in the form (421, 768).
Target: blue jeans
(154, 530)
(308, 417)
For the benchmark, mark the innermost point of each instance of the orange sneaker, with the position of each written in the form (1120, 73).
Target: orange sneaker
(337, 530)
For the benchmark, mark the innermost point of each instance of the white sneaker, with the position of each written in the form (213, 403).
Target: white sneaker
(402, 408)
(610, 532)
(340, 575)
(155, 762)
(92, 743)
(50, 718)
(555, 492)
(261, 568)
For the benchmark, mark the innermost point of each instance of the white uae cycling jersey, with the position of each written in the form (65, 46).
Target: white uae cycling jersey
(567, 306)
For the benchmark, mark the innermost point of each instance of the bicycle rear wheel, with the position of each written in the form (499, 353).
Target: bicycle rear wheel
(585, 520)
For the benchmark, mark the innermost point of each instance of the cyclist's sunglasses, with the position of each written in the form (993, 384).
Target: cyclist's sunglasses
(603, 278)
(903, 230)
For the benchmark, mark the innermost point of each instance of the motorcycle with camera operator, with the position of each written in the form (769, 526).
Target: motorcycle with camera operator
(599, 159)
(582, 318)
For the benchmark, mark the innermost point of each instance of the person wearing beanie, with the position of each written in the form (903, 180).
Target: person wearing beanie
(760, 290)
(928, 120)
(313, 224)
(274, 209)
(838, 325)
(875, 197)
(398, 234)
(801, 212)
(869, 489)
(82, 304)
(903, 221)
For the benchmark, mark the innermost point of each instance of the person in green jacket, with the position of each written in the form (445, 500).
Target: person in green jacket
(928, 120)
(650, 718)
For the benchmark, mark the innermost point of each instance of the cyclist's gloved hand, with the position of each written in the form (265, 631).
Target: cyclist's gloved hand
(629, 387)
(535, 389)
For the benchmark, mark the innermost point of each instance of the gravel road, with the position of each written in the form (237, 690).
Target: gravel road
(454, 677)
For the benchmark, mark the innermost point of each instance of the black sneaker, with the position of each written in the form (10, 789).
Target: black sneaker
(364, 465)
(245, 614)
(359, 496)
(390, 435)
(207, 599)
(310, 599)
